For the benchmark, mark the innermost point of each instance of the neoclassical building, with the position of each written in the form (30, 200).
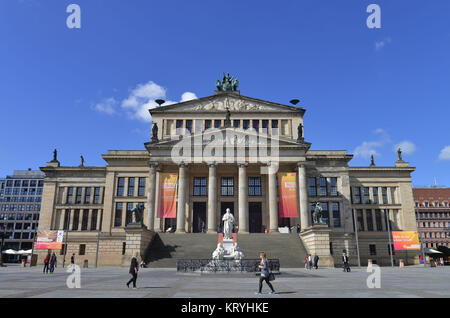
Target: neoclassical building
(229, 151)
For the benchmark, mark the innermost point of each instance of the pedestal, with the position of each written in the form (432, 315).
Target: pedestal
(138, 239)
(316, 240)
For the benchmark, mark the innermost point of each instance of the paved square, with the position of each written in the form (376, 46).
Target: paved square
(152, 282)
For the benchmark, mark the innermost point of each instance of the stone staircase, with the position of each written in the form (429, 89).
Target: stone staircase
(166, 248)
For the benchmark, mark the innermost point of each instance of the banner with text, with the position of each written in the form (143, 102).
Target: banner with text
(406, 240)
(167, 207)
(49, 240)
(287, 192)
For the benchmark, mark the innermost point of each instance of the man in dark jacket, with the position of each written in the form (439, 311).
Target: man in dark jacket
(134, 268)
(345, 261)
(52, 263)
(316, 261)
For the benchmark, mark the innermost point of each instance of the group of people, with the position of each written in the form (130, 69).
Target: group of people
(311, 262)
(49, 263)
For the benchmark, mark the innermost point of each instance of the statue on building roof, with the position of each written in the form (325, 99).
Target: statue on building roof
(82, 161)
(228, 83)
(55, 155)
(399, 154)
(300, 133)
(372, 161)
(154, 133)
(227, 122)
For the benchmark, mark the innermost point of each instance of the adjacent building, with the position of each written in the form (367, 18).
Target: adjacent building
(433, 216)
(190, 141)
(20, 206)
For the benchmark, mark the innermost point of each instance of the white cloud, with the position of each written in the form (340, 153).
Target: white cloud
(381, 44)
(406, 146)
(188, 96)
(107, 106)
(445, 153)
(368, 148)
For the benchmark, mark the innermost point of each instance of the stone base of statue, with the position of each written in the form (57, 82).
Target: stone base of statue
(138, 239)
(316, 240)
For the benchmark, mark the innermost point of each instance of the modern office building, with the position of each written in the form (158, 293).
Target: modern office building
(229, 151)
(20, 205)
(433, 215)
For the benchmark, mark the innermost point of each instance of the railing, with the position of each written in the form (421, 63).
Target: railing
(209, 265)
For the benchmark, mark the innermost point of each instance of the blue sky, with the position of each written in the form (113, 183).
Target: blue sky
(82, 91)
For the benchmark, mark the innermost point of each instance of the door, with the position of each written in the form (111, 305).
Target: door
(255, 217)
(199, 217)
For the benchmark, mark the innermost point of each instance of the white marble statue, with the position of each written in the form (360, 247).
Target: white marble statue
(218, 253)
(228, 221)
(237, 254)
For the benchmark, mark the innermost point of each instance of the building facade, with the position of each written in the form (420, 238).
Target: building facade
(433, 216)
(20, 206)
(228, 151)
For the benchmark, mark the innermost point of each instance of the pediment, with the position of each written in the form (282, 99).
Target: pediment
(224, 101)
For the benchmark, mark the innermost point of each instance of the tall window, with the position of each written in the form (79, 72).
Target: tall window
(200, 186)
(333, 186)
(254, 186)
(375, 195)
(378, 220)
(189, 125)
(366, 195)
(227, 186)
(131, 187)
(245, 124)
(325, 212)
(84, 220)
(360, 220)
(336, 214)
(128, 219)
(120, 186)
(94, 220)
(265, 125)
(217, 123)
(76, 220)
(323, 186)
(87, 195)
(369, 220)
(118, 214)
(82, 250)
(312, 187)
(384, 195)
(141, 190)
(78, 198)
(236, 123)
(256, 124)
(179, 125)
(372, 250)
(69, 195)
(96, 195)
(207, 124)
(357, 195)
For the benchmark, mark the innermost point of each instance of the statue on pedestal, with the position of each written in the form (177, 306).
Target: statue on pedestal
(154, 133)
(399, 154)
(137, 214)
(227, 122)
(317, 214)
(228, 83)
(228, 222)
(218, 252)
(300, 133)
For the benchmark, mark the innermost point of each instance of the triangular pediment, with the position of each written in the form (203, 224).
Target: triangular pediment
(223, 101)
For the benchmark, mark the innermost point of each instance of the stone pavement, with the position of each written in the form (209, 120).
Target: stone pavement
(414, 281)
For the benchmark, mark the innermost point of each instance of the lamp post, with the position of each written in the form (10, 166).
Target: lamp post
(388, 222)
(356, 234)
(67, 232)
(420, 236)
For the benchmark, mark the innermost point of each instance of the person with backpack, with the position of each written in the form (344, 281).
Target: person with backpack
(266, 275)
(345, 261)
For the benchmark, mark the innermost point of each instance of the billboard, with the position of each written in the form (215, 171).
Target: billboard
(167, 205)
(49, 240)
(406, 240)
(287, 190)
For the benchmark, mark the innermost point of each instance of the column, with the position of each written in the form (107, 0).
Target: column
(99, 219)
(89, 220)
(243, 199)
(71, 215)
(303, 194)
(181, 204)
(273, 203)
(151, 196)
(212, 199)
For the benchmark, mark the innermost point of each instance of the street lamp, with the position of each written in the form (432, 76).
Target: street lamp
(420, 236)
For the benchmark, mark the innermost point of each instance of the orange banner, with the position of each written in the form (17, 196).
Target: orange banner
(167, 207)
(287, 192)
(406, 240)
(49, 240)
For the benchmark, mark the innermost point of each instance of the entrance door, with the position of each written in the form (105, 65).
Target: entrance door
(255, 217)
(199, 217)
(223, 207)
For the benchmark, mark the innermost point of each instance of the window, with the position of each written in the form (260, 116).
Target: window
(40, 183)
(323, 186)
(124, 248)
(378, 220)
(357, 195)
(118, 214)
(255, 123)
(76, 219)
(336, 214)
(207, 124)
(141, 189)
(372, 250)
(131, 187)
(189, 125)
(94, 220)
(254, 186)
(128, 219)
(78, 197)
(32, 183)
(120, 186)
(312, 187)
(82, 250)
(369, 220)
(17, 183)
(96, 195)
(325, 213)
(25, 183)
(227, 186)
(217, 123)
(66, 220)
(366, 195)
(265, 125)
(245, 124)
(274, 124)
(200, 186)
(179, 125)
(375, 195)
(384, 195)
(236, 123)
(360, 220)
(87, 196)
(333, 186)
(84, 220)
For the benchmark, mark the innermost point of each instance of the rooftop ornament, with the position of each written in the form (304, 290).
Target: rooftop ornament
(228, 83)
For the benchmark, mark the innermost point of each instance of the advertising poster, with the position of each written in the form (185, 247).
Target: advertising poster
(167, 207)
(406, 240)
(287, 191)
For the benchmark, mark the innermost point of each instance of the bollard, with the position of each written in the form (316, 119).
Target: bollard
(401, 264)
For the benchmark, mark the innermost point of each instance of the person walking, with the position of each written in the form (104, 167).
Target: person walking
(72, 259)
(265, 273)
(46, 262)
(306, 261)
(309, 261)
(316, 261)
(52, 263)
(345, 262)
(134, 269)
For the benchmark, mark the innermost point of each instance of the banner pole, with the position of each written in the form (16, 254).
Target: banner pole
(356, 233)
(389, 235)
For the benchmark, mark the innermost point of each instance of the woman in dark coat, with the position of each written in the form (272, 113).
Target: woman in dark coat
(134, 268)
(265, 272)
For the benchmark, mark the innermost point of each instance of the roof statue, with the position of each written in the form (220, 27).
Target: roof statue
(228, 83)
